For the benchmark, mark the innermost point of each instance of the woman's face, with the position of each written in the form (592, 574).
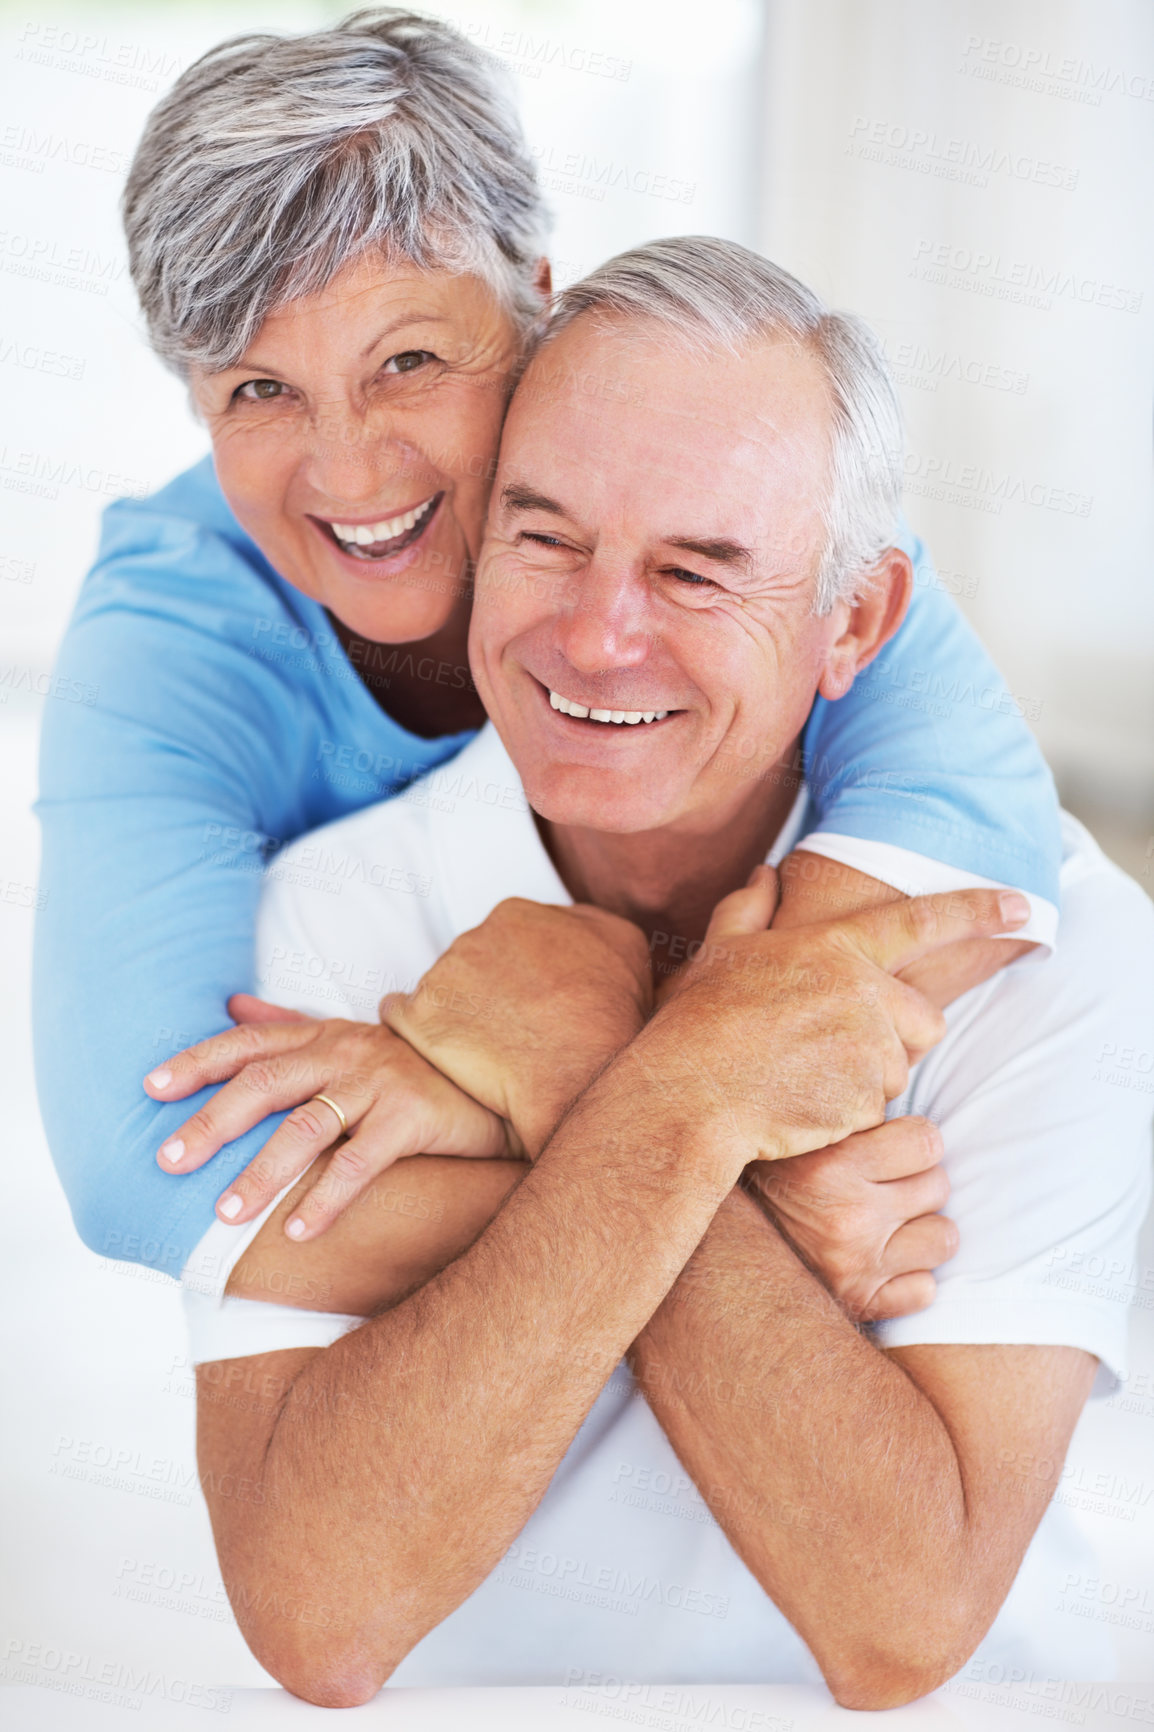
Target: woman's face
(356, 441)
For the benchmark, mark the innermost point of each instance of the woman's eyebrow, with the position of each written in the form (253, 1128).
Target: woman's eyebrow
(399, 325)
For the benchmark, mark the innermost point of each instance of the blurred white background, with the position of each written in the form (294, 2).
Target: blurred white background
(965, 173)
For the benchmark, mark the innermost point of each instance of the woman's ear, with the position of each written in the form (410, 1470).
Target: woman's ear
(543, 281)
(874, 615)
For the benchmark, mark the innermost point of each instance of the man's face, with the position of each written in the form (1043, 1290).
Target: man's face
(654, 536)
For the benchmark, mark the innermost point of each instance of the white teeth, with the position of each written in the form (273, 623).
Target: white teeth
(629, 717)
(364, 534)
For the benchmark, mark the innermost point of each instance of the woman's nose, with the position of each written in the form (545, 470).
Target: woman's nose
(352, 459)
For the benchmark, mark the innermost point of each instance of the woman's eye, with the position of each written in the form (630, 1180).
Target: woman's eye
(260, 390)
(408, 361)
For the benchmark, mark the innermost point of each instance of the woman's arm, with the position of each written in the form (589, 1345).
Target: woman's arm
(196, 696)
(930, 753)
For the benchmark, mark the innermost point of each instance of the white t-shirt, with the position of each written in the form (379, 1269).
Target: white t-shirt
(622, 1569)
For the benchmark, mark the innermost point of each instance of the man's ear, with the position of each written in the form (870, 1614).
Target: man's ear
(543, 280)
(874, 615)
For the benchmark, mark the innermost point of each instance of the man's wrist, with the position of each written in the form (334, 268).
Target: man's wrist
(712, 1099)
(669, 1116)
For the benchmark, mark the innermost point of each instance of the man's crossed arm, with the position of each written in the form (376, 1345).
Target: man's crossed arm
(401, 1462)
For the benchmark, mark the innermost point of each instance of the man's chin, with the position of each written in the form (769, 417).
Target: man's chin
(584, 799)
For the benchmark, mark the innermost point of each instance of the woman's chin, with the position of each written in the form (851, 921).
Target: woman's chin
(395, 618)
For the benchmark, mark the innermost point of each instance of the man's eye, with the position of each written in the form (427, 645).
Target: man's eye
(691, 577)
(408, 361)
(260, 390)
(541, 538)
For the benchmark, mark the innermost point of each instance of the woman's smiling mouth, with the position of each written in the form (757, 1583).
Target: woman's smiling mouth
(384, 538)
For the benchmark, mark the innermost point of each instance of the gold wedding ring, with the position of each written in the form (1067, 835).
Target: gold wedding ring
(329, 1102)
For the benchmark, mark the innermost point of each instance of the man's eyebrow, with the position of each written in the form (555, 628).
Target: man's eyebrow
(517, 497)
(722, 551)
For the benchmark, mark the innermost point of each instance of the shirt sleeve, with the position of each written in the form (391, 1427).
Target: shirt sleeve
(158, 791)
(929, 752)
(1045, 1108)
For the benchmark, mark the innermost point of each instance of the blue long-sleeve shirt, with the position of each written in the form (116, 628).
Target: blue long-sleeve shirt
(215, 716)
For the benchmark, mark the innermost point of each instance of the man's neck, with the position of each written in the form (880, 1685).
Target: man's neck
(668, 881)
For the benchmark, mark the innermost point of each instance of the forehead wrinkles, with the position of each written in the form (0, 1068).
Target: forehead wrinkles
(611, 410)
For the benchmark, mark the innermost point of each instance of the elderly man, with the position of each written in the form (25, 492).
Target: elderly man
(463, 1488)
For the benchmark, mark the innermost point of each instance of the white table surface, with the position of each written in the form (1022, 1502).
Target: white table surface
(959, 1707)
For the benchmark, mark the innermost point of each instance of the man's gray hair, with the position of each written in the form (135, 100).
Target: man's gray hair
(276, 160)
(714, 293)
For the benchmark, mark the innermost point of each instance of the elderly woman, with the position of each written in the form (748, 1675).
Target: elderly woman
(338, 241)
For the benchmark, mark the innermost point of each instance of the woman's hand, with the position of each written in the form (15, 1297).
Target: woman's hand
(863, 1215)
(394, 1102)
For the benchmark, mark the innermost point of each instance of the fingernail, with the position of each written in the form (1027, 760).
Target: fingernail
(172, 1151)
(230, 1206)
(1013, 906)
(295, 1228)
(159, 1079)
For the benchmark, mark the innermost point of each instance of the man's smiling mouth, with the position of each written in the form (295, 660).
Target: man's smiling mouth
(382, 539)
(582, 712)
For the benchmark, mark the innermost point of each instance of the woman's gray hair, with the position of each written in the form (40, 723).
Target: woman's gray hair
(714, 293)
(276, 160)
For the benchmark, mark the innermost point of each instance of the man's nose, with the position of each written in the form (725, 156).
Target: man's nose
(607, 623)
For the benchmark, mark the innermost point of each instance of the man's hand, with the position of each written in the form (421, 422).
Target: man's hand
(525, 1010)
(395, 1104)
(862, 1215)
(785, 1042)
